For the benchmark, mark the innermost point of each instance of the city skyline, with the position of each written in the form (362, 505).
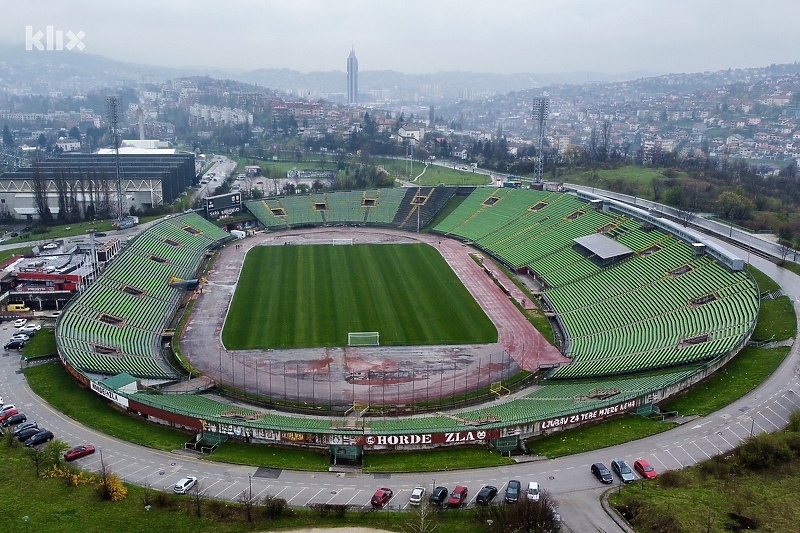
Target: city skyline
(509, 36)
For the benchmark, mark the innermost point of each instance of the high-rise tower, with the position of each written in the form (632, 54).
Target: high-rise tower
(352, 78)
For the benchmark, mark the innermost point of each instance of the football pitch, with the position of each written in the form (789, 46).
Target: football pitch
(302, 296)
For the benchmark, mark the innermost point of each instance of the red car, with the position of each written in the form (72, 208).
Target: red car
(381, 497)
(8, 413)
(78, 452)
(458, 497)
(644, 469)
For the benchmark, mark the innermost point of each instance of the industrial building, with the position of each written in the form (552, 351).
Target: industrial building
(148, 180)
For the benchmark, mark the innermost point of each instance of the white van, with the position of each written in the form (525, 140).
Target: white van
(533, 492)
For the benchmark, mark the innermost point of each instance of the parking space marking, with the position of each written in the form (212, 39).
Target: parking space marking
(296, 495)
(314, 496)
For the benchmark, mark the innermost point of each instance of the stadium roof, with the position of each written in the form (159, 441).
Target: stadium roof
(603, 247)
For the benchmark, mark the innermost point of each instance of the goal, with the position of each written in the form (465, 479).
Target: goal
(342, 242)
(364, 338)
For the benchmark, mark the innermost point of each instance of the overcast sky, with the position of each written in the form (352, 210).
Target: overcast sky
(420, 36)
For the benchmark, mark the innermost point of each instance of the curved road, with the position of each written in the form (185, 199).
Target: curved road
(766, 408)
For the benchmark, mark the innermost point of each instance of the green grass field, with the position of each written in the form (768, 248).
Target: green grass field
(311, 296)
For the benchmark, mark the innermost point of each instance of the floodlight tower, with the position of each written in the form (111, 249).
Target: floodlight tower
(541, 109)
(112, 108)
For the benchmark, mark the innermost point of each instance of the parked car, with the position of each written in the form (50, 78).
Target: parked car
(1, 400)
(99, 234)
(439, 495)
(8, 413)
(486, 495)
(512, 491)
(416, 496)
(13, 420)
(78, 451)
(381, 497)
(623, 470)
(25, 434)
(644, 469)
(6, 407)
(18, 323)
(184, 485)
(458, 497)
(602, 473)
(43, 436)
(50, 246)
(30, 329)
(533, 493)
(29, 424)
(14, 344)
(20, 337)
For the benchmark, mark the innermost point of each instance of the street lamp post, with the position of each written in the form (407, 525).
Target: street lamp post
(25, 519)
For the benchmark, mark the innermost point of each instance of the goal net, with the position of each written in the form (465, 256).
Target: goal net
(342, 242)
(364, 338)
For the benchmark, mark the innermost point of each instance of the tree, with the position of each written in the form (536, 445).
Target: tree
(54, 451)
(423, 519)
(8, 138)
(248, 501)
(524, 516)
(75, 133)
(38, 458)
(40, 196)
(196, 495)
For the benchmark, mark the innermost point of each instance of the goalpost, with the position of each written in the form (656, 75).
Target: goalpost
(342, 242)
(364, 338)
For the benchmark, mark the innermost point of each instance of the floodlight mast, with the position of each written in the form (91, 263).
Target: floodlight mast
(112, 105)
(540, 112)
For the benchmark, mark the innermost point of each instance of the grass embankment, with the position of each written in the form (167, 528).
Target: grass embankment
(288, 458)
(50, 505)
(54, 385)
(314, 295)
(43, 344)
(627, 179)
(434, 460)
(753, 487)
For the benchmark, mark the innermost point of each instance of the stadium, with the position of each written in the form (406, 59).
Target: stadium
(347, 328)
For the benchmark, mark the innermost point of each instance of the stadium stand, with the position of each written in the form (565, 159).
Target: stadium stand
(115, 325)
(636, 314)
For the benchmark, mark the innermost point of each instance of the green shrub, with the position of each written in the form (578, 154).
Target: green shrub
(762, 452)
(794, 422)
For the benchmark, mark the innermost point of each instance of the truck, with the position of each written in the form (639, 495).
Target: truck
(127, 222)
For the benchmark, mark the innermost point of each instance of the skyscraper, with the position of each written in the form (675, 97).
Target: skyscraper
(352, 78)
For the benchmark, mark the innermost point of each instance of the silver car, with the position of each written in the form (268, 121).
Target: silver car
(623, 470)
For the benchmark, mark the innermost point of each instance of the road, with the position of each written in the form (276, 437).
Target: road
(766, 408)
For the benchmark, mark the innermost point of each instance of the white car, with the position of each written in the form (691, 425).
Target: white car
(30, 328)
(50, 246)
(7, 407)
(184, 485)
(20, 337)
(416, 496)
(18, 323)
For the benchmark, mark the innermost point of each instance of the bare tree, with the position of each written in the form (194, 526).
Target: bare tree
(423, 519)
(38, 458)
(196, 495)
(248, 501)
(39, 187)
(524, 516)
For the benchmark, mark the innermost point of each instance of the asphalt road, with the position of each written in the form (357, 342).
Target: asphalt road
(766, 408)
